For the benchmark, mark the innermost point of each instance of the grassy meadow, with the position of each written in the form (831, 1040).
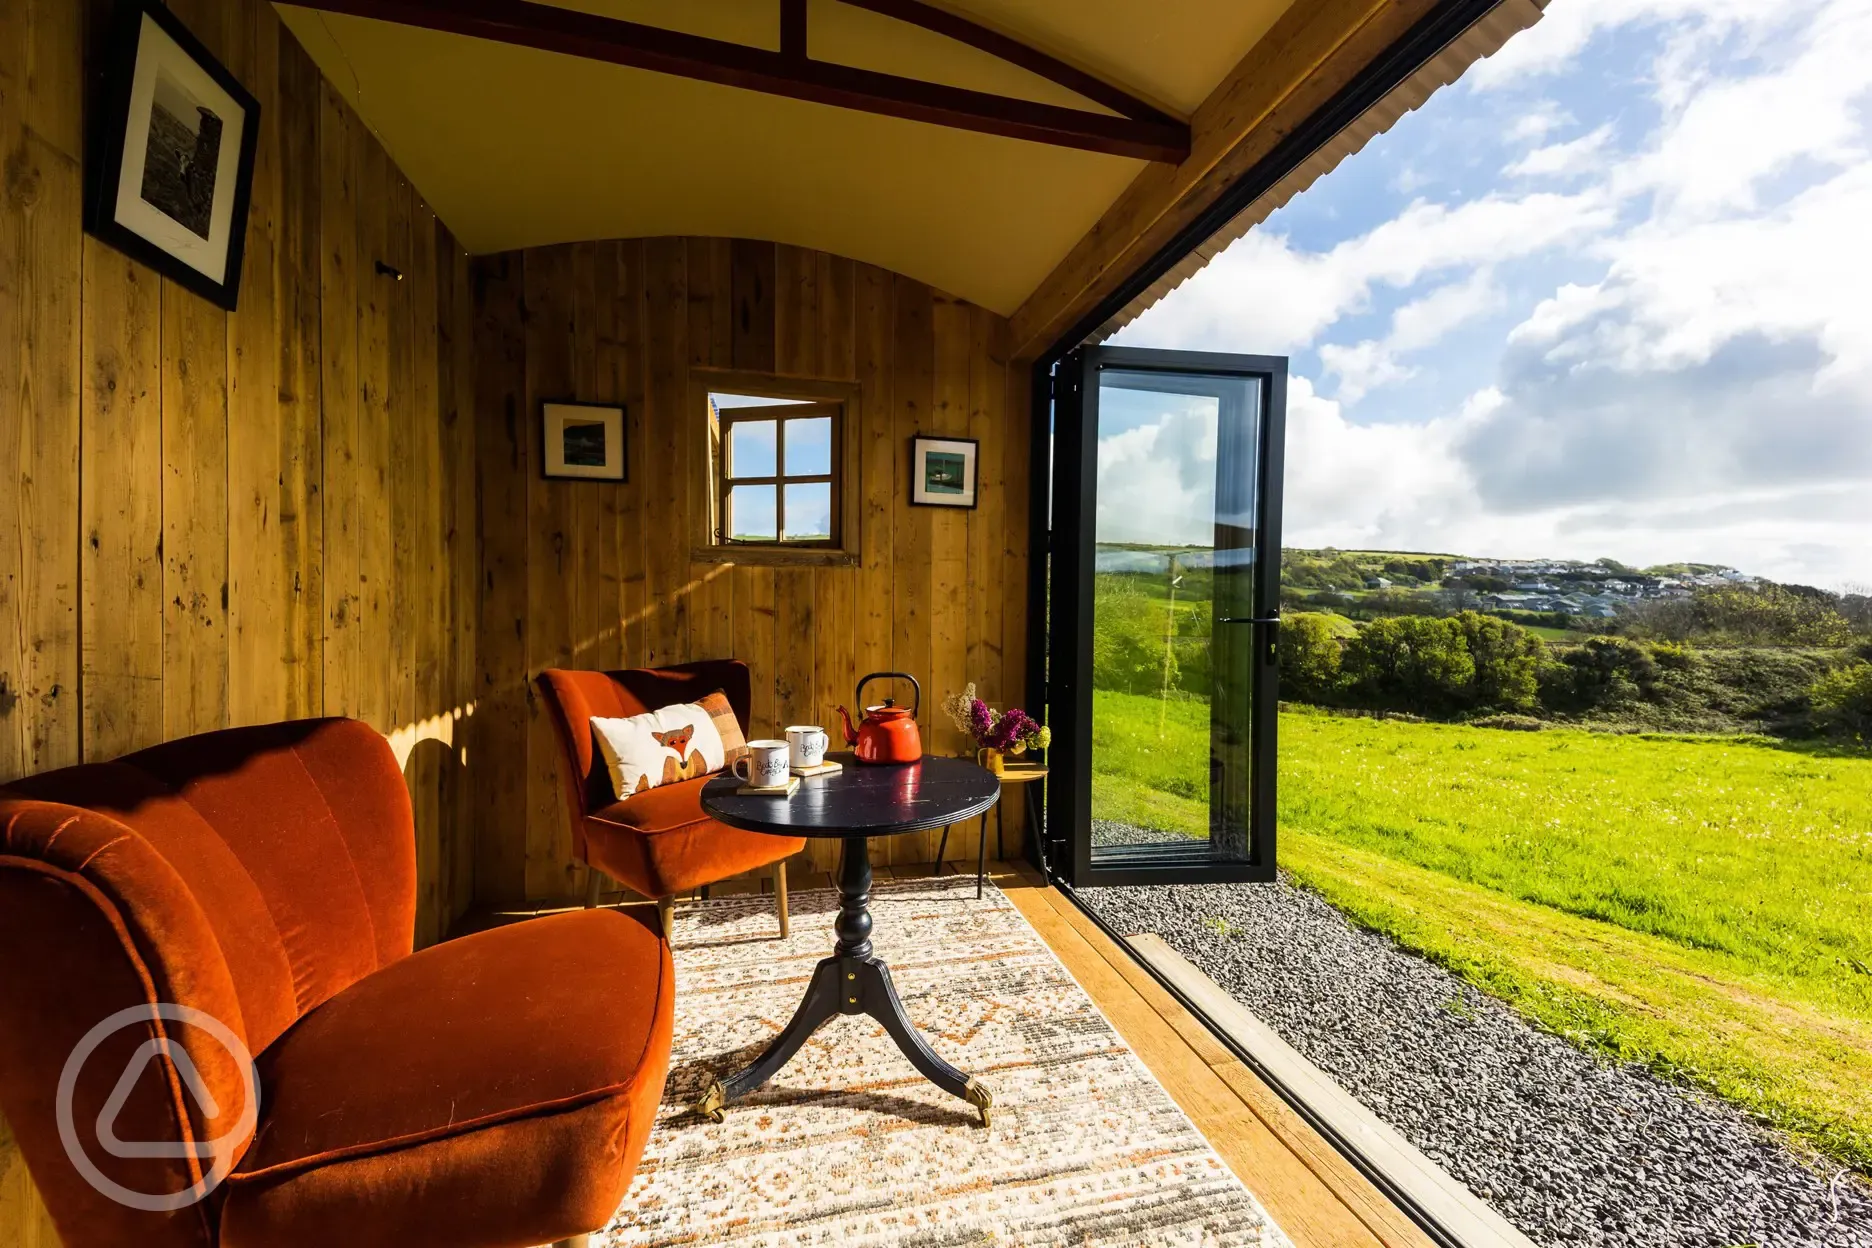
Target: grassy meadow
(1702, 905)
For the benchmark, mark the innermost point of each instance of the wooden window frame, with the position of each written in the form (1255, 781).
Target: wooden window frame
(797, 398)
(780, 415)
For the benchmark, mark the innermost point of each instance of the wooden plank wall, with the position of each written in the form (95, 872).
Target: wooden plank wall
(210, 519)
(596, 575)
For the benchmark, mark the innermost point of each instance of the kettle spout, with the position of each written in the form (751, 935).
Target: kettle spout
(851, 732)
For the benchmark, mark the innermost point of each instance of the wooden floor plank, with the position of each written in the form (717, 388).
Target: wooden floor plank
(1308, 1187)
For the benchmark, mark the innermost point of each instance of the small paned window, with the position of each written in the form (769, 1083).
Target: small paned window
(777, 471)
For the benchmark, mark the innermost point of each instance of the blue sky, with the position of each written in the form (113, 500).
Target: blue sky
(1608, 295)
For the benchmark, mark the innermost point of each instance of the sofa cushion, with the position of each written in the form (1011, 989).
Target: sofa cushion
(491, 1090)
(576, 696)
(668, 745)
(667, 808)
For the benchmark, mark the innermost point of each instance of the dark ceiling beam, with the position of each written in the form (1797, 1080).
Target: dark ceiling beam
(1013, 51)
(619, 42)
(793, 28)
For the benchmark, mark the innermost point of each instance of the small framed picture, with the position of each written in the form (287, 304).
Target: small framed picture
(584, 440)
(171, 157)
(942, 471)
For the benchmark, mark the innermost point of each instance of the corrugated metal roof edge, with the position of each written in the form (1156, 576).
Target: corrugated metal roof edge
(1482, 39)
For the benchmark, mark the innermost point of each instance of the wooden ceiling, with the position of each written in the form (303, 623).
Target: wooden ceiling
(516, 146)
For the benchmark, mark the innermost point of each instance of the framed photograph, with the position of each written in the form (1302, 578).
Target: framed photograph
(942, 471)
(171, 154)
(584, 440)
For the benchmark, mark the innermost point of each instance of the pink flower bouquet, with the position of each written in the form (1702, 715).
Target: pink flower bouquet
(1013, 731)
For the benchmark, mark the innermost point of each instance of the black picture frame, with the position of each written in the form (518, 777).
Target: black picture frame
(109, 134)
(616, 419)
(970, 497)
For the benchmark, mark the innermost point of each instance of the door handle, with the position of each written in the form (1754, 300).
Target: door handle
(1271, 655)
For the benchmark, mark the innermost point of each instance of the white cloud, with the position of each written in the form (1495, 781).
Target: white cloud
(1352, 485)
(1697, 381)
(1414, 326)
(1729, 135)
(1264, 295)
(1566, 28)
(1545, 117)
(1562, 159)
(1157, 479)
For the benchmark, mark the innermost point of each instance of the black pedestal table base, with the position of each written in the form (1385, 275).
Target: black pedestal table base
(852, 981)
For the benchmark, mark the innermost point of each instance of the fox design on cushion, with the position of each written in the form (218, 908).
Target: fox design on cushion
(682, 767)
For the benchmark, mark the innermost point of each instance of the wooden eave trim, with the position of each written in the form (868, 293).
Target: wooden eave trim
(1313, 52)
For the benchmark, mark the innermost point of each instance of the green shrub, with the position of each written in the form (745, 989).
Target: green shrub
(1673, 657)
(1513, 723)
(1746, 615)
(1309, 658)
(1128, 637)
(1409, 661)
(1605, 673)
(1507, 662)
(1843, 698)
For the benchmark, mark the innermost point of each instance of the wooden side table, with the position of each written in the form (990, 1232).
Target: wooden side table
(1022, 774)
(853, 805)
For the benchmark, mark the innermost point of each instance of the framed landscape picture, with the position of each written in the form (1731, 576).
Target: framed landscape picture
(585, 441)
(942, 471)
(171, 155)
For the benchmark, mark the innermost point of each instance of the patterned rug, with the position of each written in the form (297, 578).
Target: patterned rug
(849, 1145)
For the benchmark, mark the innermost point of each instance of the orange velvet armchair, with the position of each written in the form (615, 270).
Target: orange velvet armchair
(657, 842)
(489, 1092)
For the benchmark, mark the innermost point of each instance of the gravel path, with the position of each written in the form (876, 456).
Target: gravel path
(1571, 1150)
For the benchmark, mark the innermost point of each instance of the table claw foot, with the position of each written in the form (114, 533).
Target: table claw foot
(714, 1099)
(978, 1095)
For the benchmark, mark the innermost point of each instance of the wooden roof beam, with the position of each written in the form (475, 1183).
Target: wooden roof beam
(789, 72)
(1014, 52)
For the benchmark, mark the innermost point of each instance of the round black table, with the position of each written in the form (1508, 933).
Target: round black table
(860, 802)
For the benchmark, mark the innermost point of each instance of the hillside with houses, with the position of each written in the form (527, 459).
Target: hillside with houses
(1600, 589)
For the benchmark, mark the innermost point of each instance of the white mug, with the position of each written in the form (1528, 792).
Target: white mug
(806, 745)
(765, 765)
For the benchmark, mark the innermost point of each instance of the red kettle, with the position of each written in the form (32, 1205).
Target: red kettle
(888, 733)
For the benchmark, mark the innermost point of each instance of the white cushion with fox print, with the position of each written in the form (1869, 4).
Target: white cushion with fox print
(664, 746)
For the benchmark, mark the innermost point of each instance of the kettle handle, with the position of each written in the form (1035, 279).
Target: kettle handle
(916, 690)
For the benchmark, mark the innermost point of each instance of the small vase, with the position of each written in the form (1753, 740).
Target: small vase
(993, 760)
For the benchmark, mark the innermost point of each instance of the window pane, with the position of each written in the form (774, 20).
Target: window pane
(809, 511)
(723, 402)
(751, 450)
(808, 448)
(751, 514)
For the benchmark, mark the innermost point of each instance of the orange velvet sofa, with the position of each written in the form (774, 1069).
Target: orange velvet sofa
(489, 1092)
(657, 842)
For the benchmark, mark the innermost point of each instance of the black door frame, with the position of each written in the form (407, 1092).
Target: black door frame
(1069, 790)
(1419, 45)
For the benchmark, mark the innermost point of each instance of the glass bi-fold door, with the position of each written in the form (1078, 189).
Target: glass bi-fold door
(1164, 615)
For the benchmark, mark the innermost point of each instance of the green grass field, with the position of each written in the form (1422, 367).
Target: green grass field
(1699, 905)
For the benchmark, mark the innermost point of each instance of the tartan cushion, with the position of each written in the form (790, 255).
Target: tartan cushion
(734, 744)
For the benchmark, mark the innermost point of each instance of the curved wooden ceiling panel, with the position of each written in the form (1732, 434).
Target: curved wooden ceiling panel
(516, 147)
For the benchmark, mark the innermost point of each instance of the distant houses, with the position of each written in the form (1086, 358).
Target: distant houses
(1589, 590)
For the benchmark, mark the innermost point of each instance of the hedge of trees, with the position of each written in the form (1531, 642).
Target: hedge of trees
(1472, 665)
(1424, 664)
